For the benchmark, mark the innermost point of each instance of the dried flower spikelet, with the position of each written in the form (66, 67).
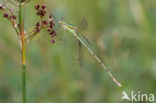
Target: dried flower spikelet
(9, 15)
(41, 10)
(51, 30)
(2, 7)
(52, 41)
(6, 15)
(49, 23)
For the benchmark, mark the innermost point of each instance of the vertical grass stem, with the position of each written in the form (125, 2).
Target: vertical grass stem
(23, 47)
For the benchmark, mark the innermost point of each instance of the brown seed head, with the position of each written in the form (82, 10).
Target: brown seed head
(52, 41)
(13, 17)
(37, 7)
(38, 24)
(2, 7)
(44, 22)
(43, 6)
(53, 34)
(5, 15)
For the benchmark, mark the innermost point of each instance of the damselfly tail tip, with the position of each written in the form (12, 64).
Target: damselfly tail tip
(119, 85)
(116, 82)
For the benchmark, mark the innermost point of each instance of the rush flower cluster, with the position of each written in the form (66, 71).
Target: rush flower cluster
(41, 10)
(9, 14)
(45, 23)
(2, 7)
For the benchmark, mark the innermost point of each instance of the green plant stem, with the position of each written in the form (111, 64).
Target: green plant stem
(24, 83)
(23, 48)
(20, 14)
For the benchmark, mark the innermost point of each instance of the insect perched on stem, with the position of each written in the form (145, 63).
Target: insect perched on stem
(79, 29)
(43, 23)
(73, 30)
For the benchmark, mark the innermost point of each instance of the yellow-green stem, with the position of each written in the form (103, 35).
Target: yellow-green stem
(23, 48)
(24, 83)
(23, 53)
(20, 15)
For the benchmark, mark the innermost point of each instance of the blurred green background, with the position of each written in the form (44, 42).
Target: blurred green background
(123, 34)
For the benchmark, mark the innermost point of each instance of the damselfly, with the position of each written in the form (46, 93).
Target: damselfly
(73, 30)
(79, 29)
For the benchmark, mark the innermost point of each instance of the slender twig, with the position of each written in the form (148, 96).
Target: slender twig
(34, 34)
(15, 28)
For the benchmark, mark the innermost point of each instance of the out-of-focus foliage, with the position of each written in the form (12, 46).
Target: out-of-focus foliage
(123, 34)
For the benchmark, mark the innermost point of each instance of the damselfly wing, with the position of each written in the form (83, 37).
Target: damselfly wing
(83, 24)
(80, 28)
